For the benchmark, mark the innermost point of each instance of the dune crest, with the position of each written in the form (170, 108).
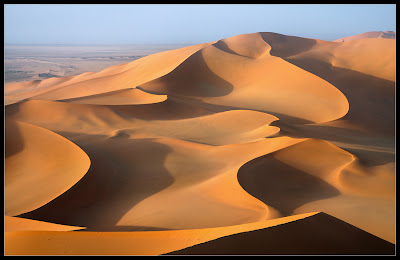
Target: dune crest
(313, 240)
(270, 236)
(247, 45)
(120, 97)
(14, 224)
(373, 34)
(126, 243)
(36, 155)
(115, 78)
(230, 79)
(239, 145)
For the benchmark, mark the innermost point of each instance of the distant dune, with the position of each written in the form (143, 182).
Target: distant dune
(260, 143)
(374, 34)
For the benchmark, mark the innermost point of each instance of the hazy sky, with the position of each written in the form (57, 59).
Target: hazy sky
(187, 24)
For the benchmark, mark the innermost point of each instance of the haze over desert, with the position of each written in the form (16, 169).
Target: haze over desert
(257, 144)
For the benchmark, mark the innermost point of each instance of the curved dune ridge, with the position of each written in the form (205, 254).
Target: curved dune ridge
(120, 97)
(259, 143)
(239, 77)
(373, 34)
(34, 157)
(13, 224)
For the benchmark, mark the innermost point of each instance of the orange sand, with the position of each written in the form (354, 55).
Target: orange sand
(205, 145)
(373, 34)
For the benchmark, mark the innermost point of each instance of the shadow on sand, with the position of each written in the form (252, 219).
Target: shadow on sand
(116, 181)
(282, 186)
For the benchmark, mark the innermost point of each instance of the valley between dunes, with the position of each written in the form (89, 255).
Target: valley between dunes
(259, 143)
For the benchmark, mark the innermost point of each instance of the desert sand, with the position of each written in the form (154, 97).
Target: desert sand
(27, 62)
(372, 34)
(260, 143)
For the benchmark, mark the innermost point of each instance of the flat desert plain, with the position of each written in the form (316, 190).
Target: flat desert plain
(27, 62)
(260, 143)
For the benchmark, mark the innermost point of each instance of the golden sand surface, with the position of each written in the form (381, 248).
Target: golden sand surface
(260, 143)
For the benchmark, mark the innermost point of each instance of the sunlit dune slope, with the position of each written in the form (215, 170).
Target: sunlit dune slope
(320, 234)
(200, 125)
(299, 234)
(118, 77)
(120, 243)
(249, 77)
(370, 56)
(237, 71)
(163, 180)
(373, 34)
(13, 224)
(120, 97)
(315, 174)
(364, 71)
(39, 166)
(237, 142)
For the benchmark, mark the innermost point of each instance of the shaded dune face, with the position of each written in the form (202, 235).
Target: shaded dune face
(246, 45)
(258, 143)
(284, 46)
(118, 77)
(240, 72)
(312, 238)
(281, 186)
(371, 98)
(296, 175)
(111, 187)
(191, 78)
(36, 155)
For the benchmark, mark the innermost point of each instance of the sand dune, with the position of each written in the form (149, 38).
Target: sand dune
(236, 80)
(126, 243)
(122, 97)
(118, 77)
(13, 224)
(315, 173)
(299, 234)
(34, 157)
(364, 71)
(373, 34)
(164, 180)
(299, 237)
(231, 146)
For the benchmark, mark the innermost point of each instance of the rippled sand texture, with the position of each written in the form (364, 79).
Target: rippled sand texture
(256, 144)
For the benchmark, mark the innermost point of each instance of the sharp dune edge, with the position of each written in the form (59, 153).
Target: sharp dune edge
(256, 144)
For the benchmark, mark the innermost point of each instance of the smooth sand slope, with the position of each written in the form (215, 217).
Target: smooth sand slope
(373, 34)
(299, 234)
(120, 97)
(242, 79)
(205, 142)
(320, 233)
(125, 243)
(38, 166)
(13, 224)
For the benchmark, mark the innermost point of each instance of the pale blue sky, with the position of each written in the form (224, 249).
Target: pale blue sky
(186, 24)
